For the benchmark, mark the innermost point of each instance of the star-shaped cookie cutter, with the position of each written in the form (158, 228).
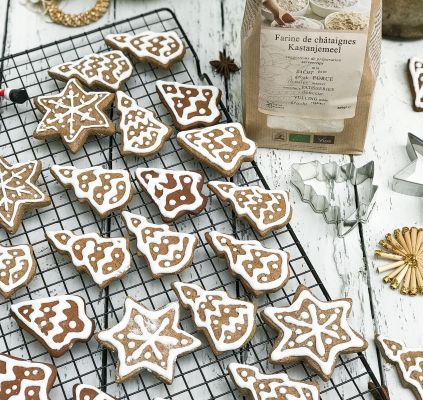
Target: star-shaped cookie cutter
(401, 181)
(332, 173)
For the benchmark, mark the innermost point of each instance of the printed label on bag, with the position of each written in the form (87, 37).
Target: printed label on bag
(313, 73)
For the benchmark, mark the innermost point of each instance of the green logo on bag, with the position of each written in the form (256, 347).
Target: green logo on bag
(298, 137)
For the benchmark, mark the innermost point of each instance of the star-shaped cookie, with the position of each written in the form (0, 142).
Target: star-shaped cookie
(18, 192)
(22, 379)
(74, 114)
(313, 331)
(148, 340)
(257, 386)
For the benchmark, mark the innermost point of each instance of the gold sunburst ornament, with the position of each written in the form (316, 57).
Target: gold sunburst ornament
(404, 248)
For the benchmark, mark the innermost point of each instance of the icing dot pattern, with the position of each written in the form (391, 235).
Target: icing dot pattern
(265, 210)
(190, 106)
(175, 193)
(57, 322)
(142, 133)
(88, 392)
(167, 252)
(17, 265)
(262, 270)
(224, 147)
(277, 386)
(21, 379)
(104, 259)
(228, 323)
(89, 184)
(163, 49)
(109, 70)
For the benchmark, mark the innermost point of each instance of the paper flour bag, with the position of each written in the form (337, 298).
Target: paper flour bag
(308, 84)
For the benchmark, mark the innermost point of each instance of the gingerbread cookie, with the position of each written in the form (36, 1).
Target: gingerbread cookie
(167, 252)
(108, 71)
(17, 268)
(19, 192)
(82, 391)
(190, 106)
(25, 380)
(313, 331)
(415, 66)
(159, 48)
(148, 340)
(408, 362)
(57, 322)
(222, 147)
(105, 190)
(227, 323)
(142, 133)
(175, 193)
(265, 210)
(74, 115)
(104, 259)
(261, 270)
(257, 386)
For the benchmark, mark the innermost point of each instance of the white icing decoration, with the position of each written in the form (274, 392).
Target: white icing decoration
(92, 69)
(416, 72)
(48, 328)
(316, 330)
(17, 264)
(184, 180)
(147, 328)
(149, 236)
(254, 197)
(95, 267)
(143, 134)
(248, 378)
(18, 188)
(253, 251)
(43, 385)
(69, 176)
(215, 303)
(215, 142)
(78, 113)
(163, 48)
(396, 355)
(99, 395)
(190, 116)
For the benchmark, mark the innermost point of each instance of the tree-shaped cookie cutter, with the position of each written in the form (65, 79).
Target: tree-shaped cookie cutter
(335, 211)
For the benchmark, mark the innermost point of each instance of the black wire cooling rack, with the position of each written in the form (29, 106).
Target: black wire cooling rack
(200, 373)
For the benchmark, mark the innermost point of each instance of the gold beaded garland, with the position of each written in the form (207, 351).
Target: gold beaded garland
(73, 20)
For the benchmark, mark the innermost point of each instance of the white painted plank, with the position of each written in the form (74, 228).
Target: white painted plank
(3, 16)
(392, 118)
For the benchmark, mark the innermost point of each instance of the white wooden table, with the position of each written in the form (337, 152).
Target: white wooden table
(346, 266)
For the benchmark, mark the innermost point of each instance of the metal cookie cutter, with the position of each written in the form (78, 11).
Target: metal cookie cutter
(349, 193)
(402, 182)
